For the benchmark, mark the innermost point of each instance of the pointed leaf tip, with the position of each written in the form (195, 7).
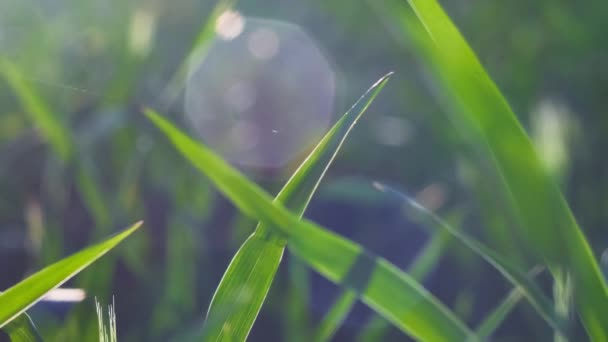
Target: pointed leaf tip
(383, 79)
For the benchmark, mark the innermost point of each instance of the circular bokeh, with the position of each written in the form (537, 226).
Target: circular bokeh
(262, 94)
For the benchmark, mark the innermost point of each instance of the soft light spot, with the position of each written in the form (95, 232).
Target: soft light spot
(65, 295)
(391, 131)
(263, 99)
(245, 135)
(550, 123)
(263, 43)
(432, 196)
(240, 96)
(141, 31)
(229, 25)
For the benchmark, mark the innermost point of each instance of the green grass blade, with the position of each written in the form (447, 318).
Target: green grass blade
(22, 329)
(48, 125)
(428, 258)
(250, 273)
(26, 293)
(336, 315)
(60, 139)
(424, 263)
(246, 280)
(518, 278)
(546, 219)
(381, 285)
(297, 320)
(298, 191)
(493, 320)
(197, 53)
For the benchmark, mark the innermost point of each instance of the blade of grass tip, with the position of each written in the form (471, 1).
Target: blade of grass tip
(342, 306)
(22, 329)
(197, 53)
(534, 295)
(48, 125)
(494, 319)
(28, 292)
(546, 219)
(381, 285)
(249, 276)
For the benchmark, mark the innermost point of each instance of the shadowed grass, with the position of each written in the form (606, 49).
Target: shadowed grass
(518, 278)
(479, 107)
(373, 330)
(22, 329)
(494, 319)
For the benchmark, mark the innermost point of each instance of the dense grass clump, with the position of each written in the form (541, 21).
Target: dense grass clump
(104, 165)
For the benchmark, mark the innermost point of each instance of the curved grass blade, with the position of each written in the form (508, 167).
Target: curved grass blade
(26, 293)
(545, 217)
(534, 295)
(22, 329)
(492, 321)
(381, 285)
(254, 266)
(342, 306)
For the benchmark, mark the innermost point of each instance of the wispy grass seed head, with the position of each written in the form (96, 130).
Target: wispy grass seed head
(107, 332)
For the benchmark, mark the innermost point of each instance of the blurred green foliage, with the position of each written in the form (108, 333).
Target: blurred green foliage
(77, 153)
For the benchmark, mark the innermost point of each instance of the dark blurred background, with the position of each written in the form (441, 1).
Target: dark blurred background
(261, 102)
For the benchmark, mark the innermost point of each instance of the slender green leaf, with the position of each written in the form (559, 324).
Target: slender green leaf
(22, 329)
(254, 266)
(546, 220)
(518, 278)
(247, 280)
(60, 139)
(48, 124)
(493, 320)
(336, 315)
(381, 285)
(26, 293)
(424, 263)
(197, 53)
(389, 291)
(428, 258)
(297, 322)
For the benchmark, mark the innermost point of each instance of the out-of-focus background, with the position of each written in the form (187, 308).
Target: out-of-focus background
(268, 80)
